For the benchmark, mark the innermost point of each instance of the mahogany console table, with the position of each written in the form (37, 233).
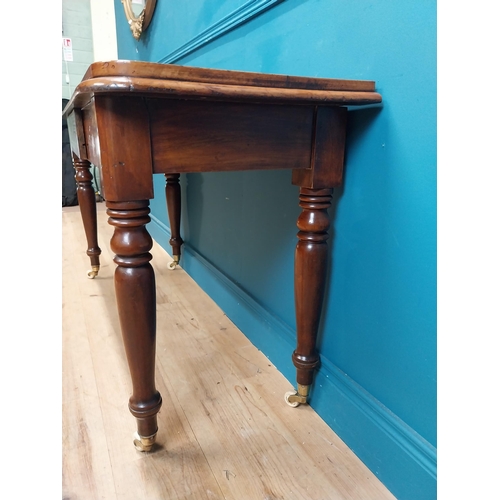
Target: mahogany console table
(136, 119)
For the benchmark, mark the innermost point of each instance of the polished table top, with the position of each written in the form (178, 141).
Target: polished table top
(167, 80)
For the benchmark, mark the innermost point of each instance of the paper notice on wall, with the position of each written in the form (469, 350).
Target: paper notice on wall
(67, 49)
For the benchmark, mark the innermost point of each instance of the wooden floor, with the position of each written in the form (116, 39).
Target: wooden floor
(225, 431)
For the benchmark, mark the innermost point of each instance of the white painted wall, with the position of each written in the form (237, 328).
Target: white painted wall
(104, 30)
(77, 25)
(91, 26)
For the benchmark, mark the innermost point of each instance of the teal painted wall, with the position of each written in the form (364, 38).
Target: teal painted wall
(377, 384)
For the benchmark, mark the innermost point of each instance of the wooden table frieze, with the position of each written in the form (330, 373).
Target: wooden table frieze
(135, 119)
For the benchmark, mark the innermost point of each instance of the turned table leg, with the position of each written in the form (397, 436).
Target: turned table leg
(310, 275)
(87, 202)
(173, 194)
(136, 301)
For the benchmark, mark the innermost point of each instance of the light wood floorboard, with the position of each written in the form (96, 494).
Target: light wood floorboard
(225, 431)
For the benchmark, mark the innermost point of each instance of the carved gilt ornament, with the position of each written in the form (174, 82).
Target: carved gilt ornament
(138, 17)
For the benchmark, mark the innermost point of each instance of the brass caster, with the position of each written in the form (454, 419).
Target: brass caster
(93, 272)
(175, 262)
(142, 443)
(299, 397)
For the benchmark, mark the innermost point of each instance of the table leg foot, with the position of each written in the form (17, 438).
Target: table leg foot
(298, 397)
(175, 262)
(144, 443)
(92, 273)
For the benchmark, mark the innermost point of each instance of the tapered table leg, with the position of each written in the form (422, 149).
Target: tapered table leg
(87, 202)
(311, 256)
(136, 301)
(173, 195)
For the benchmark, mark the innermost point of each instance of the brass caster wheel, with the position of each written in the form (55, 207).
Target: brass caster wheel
(93, 272)
(292, 402)
(143, 444)
(298, 397)
(175, 262)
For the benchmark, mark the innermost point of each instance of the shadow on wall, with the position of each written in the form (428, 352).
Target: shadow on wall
(245, 224)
